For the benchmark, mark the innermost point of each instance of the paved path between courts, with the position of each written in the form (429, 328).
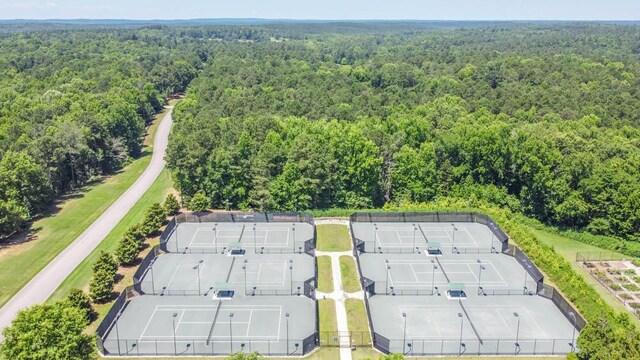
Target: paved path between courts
(338, 294)
(48, 279)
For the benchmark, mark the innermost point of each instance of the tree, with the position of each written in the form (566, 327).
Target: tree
(24, 183)
(12, 217)
(79, 299)
(104, 277)
(200, 202)
(171, 205)
(49, 331)
(154, 219)
(101, 286)
(128, 250)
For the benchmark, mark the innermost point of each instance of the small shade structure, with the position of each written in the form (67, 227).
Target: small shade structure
(456, 291)
(434, 248)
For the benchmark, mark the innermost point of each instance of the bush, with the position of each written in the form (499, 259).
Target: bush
(49, 331)
(154, 219)
(128, 250)
(200, 202)
(104, 277)
(80, 300)
(106, 263)
(101, 286)
(171, 205)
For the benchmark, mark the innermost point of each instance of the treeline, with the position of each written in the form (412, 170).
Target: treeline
(73, 107)
(539, 119)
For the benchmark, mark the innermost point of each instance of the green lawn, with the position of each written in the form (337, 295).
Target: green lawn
(51, 234)
(54, 233)
(82, 274)
(349, 274)
(333, 237)
(568, 249)
(325, 274)
(358, 321)
(327, 310)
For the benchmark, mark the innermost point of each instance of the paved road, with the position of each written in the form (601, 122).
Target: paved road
(48, 279)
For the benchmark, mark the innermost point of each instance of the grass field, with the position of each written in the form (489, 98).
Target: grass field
(333, 237)
(358, 321)
(349, 274)
(568, 249)
(82, 274)
(51, 234)
(325, 274)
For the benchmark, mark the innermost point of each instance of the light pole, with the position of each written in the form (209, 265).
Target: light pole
(197, 267)
(244, 268)
(433, 277)
(386, 281)
(573, 336)
(231, 332)
(453, 238)
(524, 290)
(414, 235)
(480, 275)
(287, 316)
(175, 346)
(517, 332)
(255, 240)
(294, 238)
(117, 331)
(404, 333)
(215, 240)
(493, 248)
(461, 325)
(153, 288)
(291, 276)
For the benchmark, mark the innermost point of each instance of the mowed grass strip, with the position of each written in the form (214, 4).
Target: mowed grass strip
(358, 321)
(568, 248)
(54, 233)
(325, 274)
(349, 274)
(327, 314)
(81, 276)
(333, 237)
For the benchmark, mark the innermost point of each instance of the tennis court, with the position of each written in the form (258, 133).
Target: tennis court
(157, 325)
(255, 237)
(251, 274)
(462, 237)
(420, 274)
(448, 289)
(442, 326)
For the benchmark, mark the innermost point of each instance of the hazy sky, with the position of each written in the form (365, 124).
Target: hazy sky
(324, 9)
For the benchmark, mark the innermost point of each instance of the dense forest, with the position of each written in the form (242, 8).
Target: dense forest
(73, 107)
(542, 119)
(539, 118)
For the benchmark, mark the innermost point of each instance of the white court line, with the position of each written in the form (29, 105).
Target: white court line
(249, 326)
(173, 276)
(148, 322)
(471, 237)
(180, 319)
(435, 323)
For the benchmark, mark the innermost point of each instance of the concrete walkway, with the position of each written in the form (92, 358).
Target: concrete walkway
(48, 279)
(339, 295)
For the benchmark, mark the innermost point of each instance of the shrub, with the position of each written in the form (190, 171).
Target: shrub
(631, 287)
(200, 202)
(171, 205)
(101, 286)
(128, 250)
(630, 272)
(154, 219)
(105, 262)
(80, 300)
(615, 287)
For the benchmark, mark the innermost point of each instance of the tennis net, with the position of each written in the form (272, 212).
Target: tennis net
(470, 322)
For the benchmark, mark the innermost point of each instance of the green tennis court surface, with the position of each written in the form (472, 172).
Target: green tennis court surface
(212, 237)
(159, 325)
(447, 289)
